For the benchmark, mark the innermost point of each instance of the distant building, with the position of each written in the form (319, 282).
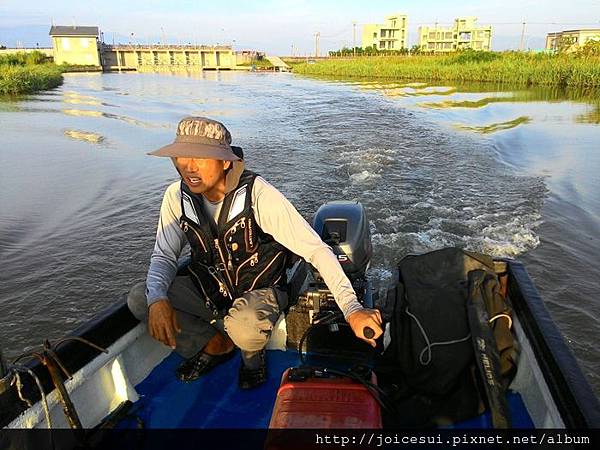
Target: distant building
(157, 57)
(392, 35)
(82, 46)
(465, 34)
(75, 45)
(571, 40)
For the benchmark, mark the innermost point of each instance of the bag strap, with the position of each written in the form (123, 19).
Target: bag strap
(485, 348)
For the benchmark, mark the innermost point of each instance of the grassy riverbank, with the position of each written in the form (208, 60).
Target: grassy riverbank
(260, 64)
(507, 67)
(26, 73)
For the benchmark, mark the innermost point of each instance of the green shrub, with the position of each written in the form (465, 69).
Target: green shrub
(472, 56)
(591, 48)
(24, 73)
(17, 79)
(23, 59)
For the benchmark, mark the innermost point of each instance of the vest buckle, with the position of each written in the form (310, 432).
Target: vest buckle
(211, 307)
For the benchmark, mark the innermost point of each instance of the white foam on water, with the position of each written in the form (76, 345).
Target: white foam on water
(364, 176)
(442, 198)
(380, 273)
(512, 238)
(372, 160)
(392, 219)
(507, 239)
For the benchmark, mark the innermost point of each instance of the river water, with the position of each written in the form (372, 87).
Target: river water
(511, 172)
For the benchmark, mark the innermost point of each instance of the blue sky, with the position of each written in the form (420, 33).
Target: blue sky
(273, 26)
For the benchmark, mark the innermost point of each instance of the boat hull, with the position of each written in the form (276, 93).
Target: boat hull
(550, 383)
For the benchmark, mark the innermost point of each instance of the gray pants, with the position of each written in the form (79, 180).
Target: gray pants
(248, 322)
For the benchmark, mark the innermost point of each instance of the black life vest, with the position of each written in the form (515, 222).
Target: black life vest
(233, 256)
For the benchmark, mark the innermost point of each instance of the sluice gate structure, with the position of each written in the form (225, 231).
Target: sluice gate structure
(150, 58)
(83, 46)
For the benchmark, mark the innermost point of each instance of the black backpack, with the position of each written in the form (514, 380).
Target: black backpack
(430, 368)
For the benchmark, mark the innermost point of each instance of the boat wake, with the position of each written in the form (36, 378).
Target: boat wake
(425, 198)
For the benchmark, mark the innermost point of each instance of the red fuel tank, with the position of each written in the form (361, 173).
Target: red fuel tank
(319, 402)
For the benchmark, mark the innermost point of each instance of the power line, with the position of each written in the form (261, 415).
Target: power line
(336, 34)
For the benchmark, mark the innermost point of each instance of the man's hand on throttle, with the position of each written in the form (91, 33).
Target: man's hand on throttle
(162, 322)
(365, 317)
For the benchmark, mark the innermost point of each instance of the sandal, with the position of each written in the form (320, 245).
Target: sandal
(251, 378)
(199, 364)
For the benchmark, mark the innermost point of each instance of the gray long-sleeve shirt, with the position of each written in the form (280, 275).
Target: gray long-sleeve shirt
(275, 215)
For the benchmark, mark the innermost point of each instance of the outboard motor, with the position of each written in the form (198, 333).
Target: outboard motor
(344, 226)
(335, 364)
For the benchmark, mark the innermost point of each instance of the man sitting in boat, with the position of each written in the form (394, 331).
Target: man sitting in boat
(240, 233)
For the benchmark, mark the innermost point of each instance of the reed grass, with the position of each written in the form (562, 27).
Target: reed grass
(507, 67)
(16, 80)
(23, 59)
(25, 73)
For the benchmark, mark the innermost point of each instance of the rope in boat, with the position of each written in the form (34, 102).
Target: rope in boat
(498, 316)
(21, 368)
(428, 344)
(49, 358)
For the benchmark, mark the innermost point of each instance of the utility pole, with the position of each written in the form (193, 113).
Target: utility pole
(354, 38)
(317, 36)
(522, 36)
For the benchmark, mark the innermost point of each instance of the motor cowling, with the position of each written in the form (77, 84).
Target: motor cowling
(343, 225)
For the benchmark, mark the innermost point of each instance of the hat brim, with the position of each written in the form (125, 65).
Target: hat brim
(195, 150)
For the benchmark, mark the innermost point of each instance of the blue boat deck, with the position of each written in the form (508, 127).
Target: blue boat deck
(215, 401)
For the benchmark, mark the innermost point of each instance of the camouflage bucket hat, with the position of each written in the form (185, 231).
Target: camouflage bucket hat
(200, 137)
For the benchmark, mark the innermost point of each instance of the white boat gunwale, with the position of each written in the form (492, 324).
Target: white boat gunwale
(578, 405)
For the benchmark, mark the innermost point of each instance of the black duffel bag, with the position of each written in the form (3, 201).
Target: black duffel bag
(429, 369)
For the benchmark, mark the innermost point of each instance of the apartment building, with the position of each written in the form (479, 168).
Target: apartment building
(464, 34)
(571, 40)
(391, 35)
